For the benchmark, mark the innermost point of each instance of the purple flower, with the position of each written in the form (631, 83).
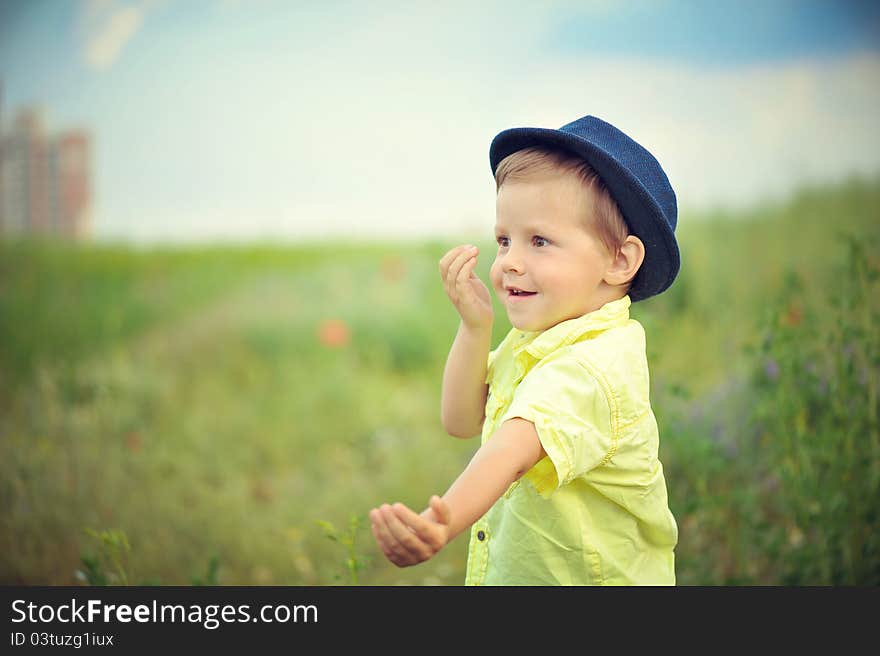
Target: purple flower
(771, 369)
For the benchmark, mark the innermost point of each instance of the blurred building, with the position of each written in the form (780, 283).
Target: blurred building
(69, 185)
(45, 180)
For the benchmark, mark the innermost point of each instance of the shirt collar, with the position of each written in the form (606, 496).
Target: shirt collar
(540, 343)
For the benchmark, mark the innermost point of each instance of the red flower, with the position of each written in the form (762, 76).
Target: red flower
(334, 333)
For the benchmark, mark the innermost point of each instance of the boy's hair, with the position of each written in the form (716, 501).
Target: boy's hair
(607, 220)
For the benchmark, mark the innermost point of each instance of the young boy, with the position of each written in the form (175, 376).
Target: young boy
(566, 487)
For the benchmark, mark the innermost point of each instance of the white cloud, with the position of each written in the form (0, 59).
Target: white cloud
(107, 26)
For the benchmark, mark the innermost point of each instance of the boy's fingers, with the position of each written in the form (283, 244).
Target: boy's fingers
(379, 539)
(425, 529)
(391, 547)
(409, 517)
(405, 537)
(380, 530)
(449, 278)
(450, 255)
(441, 509)
(462, 282)
(454, 273)
(446, 260)
(455, 267)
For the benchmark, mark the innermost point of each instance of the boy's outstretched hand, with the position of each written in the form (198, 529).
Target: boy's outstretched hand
(407, 538)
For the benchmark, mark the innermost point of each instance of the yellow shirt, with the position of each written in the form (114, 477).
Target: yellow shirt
(595, 510)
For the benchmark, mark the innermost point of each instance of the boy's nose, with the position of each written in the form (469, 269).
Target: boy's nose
(512, 262)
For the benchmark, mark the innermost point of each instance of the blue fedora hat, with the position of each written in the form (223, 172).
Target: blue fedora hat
(634, 178)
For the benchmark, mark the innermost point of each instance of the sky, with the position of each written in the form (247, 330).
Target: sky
(218, 120)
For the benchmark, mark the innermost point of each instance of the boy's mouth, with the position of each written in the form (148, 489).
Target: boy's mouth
(516, 293)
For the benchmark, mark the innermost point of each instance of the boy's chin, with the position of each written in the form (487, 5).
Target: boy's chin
(527, 326)
(539, 324)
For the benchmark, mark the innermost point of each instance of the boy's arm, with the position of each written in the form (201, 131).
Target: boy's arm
(407, 538)
(464, 378)
(463, 403)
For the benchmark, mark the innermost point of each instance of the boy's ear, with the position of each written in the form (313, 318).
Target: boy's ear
(626, 263)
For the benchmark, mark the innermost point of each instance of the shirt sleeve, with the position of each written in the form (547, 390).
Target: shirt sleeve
(572, 414)
(490, 365)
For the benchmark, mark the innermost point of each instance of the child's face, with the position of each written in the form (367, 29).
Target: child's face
(545, 247)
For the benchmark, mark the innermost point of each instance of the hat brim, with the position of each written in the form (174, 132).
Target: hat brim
(644, 218)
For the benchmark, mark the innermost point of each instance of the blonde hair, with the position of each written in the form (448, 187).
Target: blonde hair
(606, 219)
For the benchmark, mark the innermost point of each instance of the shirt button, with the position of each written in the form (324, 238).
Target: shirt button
(481, 535)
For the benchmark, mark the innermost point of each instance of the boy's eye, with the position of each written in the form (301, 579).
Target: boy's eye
(539, 241)
(502, 241)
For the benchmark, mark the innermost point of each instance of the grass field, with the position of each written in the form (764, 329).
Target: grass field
(228, 415)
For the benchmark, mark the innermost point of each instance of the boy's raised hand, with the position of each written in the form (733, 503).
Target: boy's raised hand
(407, 538)
(468, 293)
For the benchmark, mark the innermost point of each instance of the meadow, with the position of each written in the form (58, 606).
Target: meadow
(229, 414)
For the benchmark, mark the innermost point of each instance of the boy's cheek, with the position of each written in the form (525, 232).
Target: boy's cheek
(495, 277)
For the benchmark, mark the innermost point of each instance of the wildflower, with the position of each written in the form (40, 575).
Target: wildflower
(794, 315)
(771, 369)
(133, 442)
(334, 333)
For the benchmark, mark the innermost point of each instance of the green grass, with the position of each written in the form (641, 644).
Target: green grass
(172, 415)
